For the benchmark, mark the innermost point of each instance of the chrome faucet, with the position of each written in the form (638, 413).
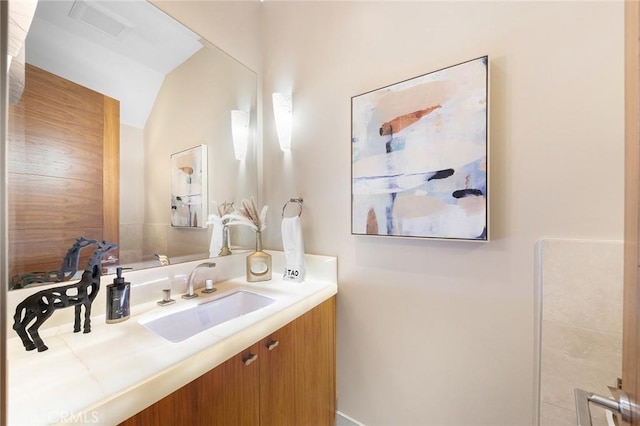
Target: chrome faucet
(190, 293)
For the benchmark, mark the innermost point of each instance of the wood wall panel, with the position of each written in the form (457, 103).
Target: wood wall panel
(43, 250)
(57, 103)
(63, 129)
(42, 202)
(111, 172)
(62, 161)
(63, 145)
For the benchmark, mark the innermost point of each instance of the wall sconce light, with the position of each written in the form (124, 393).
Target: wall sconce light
(283, 112)
(240, 133)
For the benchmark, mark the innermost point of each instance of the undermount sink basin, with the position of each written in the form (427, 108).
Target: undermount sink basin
(181, 325)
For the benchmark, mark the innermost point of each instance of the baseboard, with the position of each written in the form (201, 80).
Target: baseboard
(344, 420)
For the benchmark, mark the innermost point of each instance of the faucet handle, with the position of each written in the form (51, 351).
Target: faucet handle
(166, 298)
(208, 287)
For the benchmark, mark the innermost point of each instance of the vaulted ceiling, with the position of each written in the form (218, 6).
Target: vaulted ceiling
(122, 49)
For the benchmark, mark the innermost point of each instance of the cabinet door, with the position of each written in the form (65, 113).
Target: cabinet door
(315, 365)
(277, 378)
(174, 409)
(226, 395)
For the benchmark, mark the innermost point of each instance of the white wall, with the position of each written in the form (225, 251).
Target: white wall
(439, 332)
(234, 28)
(131, 193)
(193, 107)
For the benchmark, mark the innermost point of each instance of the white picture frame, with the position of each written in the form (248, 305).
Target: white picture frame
(189, 188)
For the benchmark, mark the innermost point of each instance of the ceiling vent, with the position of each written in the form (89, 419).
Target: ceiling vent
(100, 18)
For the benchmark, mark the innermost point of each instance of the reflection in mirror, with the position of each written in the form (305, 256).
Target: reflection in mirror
(105, 104)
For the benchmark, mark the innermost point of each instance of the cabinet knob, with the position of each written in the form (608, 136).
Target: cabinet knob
(272, 344)
(248, 359)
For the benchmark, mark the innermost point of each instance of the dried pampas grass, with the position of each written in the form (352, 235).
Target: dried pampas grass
(248, 215)
(226, 208)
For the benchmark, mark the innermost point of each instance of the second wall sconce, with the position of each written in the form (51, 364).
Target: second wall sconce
(240, 133)
(283, 113)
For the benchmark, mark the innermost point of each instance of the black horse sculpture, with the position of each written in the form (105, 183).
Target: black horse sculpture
(67, 270)
(41, 305)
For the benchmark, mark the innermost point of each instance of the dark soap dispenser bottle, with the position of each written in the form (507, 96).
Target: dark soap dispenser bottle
(118, 299)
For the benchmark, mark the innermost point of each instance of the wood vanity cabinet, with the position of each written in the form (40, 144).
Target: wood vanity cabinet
(288, 378)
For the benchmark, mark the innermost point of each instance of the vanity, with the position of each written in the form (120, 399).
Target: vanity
(272, 366)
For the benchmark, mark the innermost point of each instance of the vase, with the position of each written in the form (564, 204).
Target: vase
(258, 263)
(225, 250)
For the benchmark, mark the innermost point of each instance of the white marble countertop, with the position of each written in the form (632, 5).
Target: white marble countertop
(110, 374)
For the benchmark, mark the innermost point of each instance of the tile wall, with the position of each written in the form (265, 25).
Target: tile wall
(581, 324)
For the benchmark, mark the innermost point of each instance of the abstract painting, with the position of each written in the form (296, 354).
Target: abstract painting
(189, 188)
(419, 156)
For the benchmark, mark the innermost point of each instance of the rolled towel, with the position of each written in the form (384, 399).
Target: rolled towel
(293, 246)
(216, 235)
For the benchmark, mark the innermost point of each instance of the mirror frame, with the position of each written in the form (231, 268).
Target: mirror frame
(4, 107)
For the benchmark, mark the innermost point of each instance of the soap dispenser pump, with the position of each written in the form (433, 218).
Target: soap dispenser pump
(118, 299)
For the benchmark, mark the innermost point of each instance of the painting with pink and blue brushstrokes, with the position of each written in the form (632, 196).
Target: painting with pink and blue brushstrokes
(419, 152)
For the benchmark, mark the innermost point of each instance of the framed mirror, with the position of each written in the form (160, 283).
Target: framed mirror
(107, 176)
